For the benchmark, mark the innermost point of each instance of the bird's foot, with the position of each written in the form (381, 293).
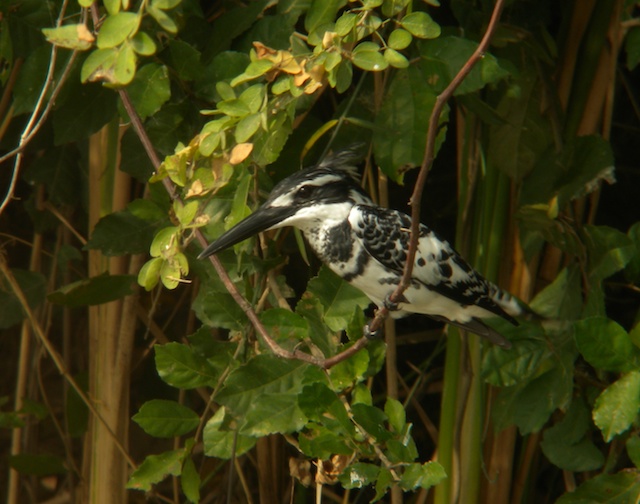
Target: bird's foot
(391, 305)
(371, 334)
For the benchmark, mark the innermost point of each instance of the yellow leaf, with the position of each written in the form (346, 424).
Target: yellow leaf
(240, 152)
(195, 189)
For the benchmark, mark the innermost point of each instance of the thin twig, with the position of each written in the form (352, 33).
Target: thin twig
(37, 120)
(56, 357)
(427, 161)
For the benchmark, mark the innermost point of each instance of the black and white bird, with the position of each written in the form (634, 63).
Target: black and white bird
(367, 246)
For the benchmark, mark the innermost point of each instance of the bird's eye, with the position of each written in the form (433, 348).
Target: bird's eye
(304, 192)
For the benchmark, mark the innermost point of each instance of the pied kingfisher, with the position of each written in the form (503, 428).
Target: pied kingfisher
(367, 246)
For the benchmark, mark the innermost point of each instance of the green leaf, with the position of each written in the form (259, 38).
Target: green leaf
(321, 12)
(530, 404)
(606, 345)
(31, 76)
(396, 414)
(247, 126)
(263, 374)
(573, 172)
(346, 23)
(143, 44)
(617, 406)
(349, 371)
(399, 39)
(517, 143)
(372, 420)
(322, 405)
(113, 6)
(321, 442)
(180, 366)
(221, 441)
(633, 449)
(80, 118)
(149, 274)
(254, 69)
(359, 475)
(444, 57)
(165, 243)
(395, 59)
(420, 25)
(165, 419)
(367, 56)
(343, 76)
(163, 19)
(123, 232)
(117, 28)
(215, 307)
(268, 144)
(74, 36)
(284, 325)
(149, 90)
(253, 97)
(173, 269)
(383, 483)
(37, 465)
(273, 413)
(422, 475)
(632, 271)
(567, 444)
(562, 298)
(234, 108)
(99, 65)
(93, 291)
(632, 46)
(338, 298)
(124, 68)
(155, 468)
(621, 488)
(392, 8)
(33, 286)
(190, 481)
(522, 361)
(60, 173)
(609, 251)
(186, 212)
(401, 125)
(165, 4)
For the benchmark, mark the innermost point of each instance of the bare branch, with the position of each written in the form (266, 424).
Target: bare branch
(37, 120)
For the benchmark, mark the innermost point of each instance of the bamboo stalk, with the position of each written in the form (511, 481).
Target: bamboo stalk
(24, 373)
(111, 327)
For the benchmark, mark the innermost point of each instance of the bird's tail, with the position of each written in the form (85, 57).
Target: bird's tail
(478, 327)
(511, 304)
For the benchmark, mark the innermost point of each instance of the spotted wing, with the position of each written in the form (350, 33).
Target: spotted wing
(385, 235)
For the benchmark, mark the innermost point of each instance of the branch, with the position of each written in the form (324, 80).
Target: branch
(427, 161)
(57, 358)
(35, 123)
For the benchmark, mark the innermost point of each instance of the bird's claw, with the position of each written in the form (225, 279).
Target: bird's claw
(391, 305)
(369, 334)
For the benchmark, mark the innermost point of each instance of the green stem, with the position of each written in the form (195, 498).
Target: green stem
(446, 435)
(591, 47)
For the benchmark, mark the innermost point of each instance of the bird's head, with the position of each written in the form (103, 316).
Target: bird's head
(321, 193)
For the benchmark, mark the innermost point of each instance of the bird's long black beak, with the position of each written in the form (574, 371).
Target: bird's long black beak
(260, 220)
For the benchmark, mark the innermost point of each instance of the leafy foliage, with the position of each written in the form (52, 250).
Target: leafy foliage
(234, 98)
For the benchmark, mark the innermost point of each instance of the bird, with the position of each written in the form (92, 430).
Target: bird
(367, 246)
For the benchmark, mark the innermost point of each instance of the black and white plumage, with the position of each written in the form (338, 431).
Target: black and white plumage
(367, 246)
